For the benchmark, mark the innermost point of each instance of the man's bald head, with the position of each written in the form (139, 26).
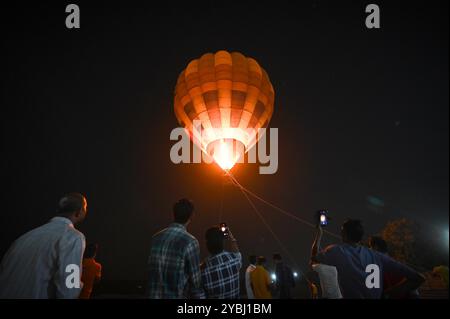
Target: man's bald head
(73, 206)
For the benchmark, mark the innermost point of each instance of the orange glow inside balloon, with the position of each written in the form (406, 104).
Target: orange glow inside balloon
(226, 152)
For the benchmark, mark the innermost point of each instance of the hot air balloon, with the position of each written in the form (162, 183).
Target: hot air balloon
(231, 96)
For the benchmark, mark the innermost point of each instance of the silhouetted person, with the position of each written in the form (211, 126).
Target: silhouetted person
(174, 262)
(390, 279)
(248, 271)
(92, 271)
(284, 278)
(379, 244)
(351, 260)
(220, 270)
(314, 291)
(36, 263)
(260, 279)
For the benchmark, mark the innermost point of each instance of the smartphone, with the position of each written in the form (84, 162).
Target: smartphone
(224, 229)
(323, 218)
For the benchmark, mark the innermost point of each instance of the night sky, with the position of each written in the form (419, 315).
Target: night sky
(362, 117)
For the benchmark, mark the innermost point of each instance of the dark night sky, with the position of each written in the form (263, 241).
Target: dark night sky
(360, 113)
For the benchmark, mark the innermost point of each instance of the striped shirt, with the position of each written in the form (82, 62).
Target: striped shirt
(174, 265)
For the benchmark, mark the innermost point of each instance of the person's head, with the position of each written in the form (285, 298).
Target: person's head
(214, 240)
(90, 251)
(73, 206)
(261, 260)
(252, 259)
(352, 231)
(182, 211)
(379, 244)
(277, 258)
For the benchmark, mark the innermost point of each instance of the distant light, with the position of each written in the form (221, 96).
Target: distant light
(295, 274)
(446, 238)
(273, 276)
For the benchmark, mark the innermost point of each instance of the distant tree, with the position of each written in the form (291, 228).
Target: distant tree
(402, 238)
(412, 244)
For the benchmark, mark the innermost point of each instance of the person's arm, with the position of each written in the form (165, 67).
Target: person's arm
(232, 246)
(316, 244)
(231, 243)
(412, 279)
(193, 268)
(70, 253)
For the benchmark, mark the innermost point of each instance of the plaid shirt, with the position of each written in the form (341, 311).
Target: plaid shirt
(174, 265)
(220, 275)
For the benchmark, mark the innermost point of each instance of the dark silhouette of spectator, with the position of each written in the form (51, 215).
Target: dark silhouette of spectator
(390, 279)
(284, 278)
(379, 244)
(92, 271)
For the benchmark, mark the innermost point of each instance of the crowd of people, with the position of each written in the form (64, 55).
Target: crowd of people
(43, 263)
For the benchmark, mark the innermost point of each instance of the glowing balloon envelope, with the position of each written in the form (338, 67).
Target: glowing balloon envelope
(231, 96)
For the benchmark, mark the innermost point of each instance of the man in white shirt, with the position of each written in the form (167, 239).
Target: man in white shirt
(43, 263)
(248, 282)
(329, 283)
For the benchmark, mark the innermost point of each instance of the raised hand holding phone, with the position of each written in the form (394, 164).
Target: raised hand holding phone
(230, 240)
